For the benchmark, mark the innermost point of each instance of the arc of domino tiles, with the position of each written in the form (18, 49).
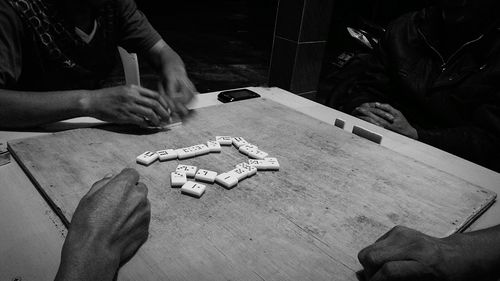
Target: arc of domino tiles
(179, 178)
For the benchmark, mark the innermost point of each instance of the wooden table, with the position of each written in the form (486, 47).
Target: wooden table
(31, 235)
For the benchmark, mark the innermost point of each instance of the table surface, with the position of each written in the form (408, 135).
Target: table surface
(30, 231)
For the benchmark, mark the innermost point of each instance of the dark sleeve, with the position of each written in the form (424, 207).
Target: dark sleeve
(370, 83)
(135, 32)
(479, 144)
(11, 34)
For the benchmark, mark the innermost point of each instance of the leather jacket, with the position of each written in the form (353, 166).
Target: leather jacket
(453, 102)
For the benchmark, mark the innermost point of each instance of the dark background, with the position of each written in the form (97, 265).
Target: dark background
(227, 43)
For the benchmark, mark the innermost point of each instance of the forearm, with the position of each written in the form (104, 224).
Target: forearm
(26, 109)
(85, 261)
(481, 251)
(161, 56)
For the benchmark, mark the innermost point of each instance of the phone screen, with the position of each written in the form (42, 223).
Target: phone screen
(241, 94)
(236, 95)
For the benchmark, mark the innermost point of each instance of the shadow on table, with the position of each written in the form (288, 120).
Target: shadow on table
(65, 126)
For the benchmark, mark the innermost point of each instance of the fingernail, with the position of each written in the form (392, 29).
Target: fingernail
(108, 175)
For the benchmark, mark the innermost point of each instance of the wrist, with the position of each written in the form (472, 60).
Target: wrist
(170, 60)
(85, 258)
(470, 255)
(85, 101)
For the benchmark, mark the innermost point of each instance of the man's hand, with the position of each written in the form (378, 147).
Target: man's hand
(174, 84)
(129, 104)
(406, 254)
(109, 225)
(386, 116)
(176, 87)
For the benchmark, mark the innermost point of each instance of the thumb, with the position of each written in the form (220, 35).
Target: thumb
(100, 183)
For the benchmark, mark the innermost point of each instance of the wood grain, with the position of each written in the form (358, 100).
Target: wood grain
(335, 194)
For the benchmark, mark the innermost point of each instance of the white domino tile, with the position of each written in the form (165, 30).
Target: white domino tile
(200, 149)
(177, 179)
(194, 149)
(224, 140)
(167, 154)
(239, 141)
(248, 148)
(257, 154)
(272, 163)
(239, 173)
(193, 189)
(258, 164)
(251, 170)
(147, 158)
(226, 180)
(205, 175)
(188, 169)
(214, 146)
(186, 152)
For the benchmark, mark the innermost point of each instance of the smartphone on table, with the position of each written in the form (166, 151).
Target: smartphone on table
(236, 95)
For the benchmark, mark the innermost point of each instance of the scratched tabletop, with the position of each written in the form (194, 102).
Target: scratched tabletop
(334, 194)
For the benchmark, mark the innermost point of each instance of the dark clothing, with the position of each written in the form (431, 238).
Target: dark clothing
(454, 103)
(25, 66)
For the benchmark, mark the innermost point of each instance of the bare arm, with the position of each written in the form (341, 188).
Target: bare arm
(28, 109)
(123, 104)
(109, 225)
(174, 82)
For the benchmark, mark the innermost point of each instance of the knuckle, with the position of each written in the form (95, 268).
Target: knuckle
(362, 255)
(367, 257)
(389, 270)
(130, 172)
(371, 258)
(399, 229)
(142, 189)
(157, 106)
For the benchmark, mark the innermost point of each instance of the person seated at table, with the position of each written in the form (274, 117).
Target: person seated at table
(55, 55)
(435, 77)
(109, 225)
(406, 254)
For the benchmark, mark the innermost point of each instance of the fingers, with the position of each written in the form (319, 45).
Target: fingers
(138, 120)
(127, 177)
(189, 90)
(181, 90)
(375, 256)
(370, 120)
(135, 228)
(135, 241)
(145, 112)
(171, 103)
(406, 270)
(397, 244)
(375, 119)
(155, 96)
(383, 114)
(98, 184)
(154, 101)
(388, 108)
(395, 231)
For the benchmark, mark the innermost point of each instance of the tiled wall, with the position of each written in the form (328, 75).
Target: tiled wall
(299, 44)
